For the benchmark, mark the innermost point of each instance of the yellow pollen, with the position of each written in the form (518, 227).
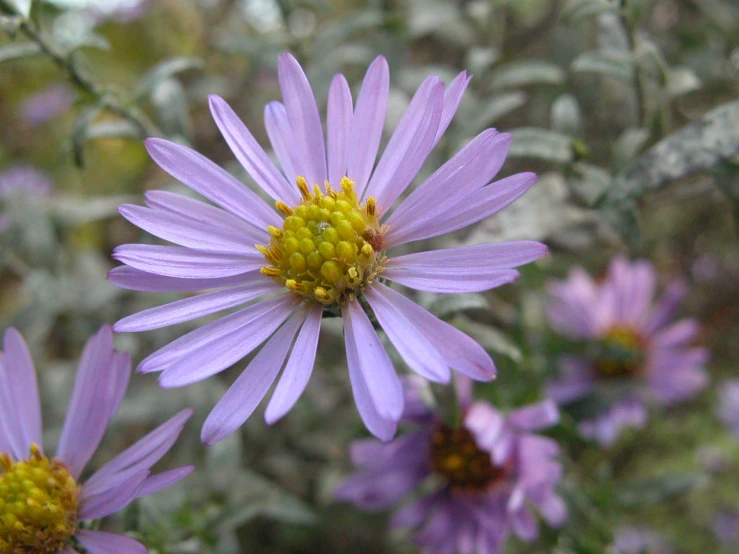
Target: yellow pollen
(330, 245)
(621, 354)
(39, 501)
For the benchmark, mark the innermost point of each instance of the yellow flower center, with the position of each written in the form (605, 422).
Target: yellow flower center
(456, 457)
(621, 354)
(329, 246)
(38, 505)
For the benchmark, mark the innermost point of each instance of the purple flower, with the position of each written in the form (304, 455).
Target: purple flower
(324, 248)
(21, 180)
(634, 540)
(48, 104)
(484, 476)
(630, 341)
(42, 501)
(728, 408)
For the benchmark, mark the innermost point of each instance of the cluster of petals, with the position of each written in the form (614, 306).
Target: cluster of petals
(586, 310)
(215, 247)
(451, 521)
(101, 382)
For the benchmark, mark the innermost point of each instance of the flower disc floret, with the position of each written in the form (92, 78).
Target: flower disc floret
(329, 246)
(39, 500)
(622, 353)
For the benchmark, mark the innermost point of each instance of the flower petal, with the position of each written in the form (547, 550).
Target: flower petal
(160, 481)
(194, 307)
(452, 98)
(415, 348)
(101, 382)
(187, 263)
(215, 183)
(250, 154)
(134, 279)
(243, 397)
(378, 373)
(281, 137)
(367, 123)
(211, 349)
(100, 542)
(535, 416)
(298, 368)
(113, 499)
(305, 122)
(338, 128)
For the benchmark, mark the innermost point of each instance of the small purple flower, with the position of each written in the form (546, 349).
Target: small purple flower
(42, 501)
(630, 341)
(48, 104)
(324, 248)
(728, 408)
(485, 476)
(21, 180)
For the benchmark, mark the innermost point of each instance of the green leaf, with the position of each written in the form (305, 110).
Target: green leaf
(23, 7)
(490, 338)
(495, 108)
(628, 146)
(526, 73)
(578, 10)
(19, 51)
(163, 71)
(699, 146)
(612, 63)
(589, 182)
(681, 80)
(449, 304)
(552, 146)
(654, 490)
(566, 117)
(114, 129)
(170, 103)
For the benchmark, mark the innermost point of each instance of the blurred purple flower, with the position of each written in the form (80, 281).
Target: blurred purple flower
(631, 341)
(48, 104)
(45, 495)
(728, 408)
(322, 247)
(726, 528)
(635, 540)
(485, 476)
(121, 11)
(20, 180)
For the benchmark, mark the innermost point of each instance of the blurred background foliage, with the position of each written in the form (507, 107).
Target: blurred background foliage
(627, 110)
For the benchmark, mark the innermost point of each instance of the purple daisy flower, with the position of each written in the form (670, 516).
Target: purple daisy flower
(630, 341)
(324, 248)
(728, 408)
(485, 477)
(42, 501)
(48, 104)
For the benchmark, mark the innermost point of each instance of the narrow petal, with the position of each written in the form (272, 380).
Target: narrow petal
(200, 359)
(457, 350)
(194, 307)
(102, 380)
(485, 423)
(305, 122)
(412, 344)
(378, 373)
(21, 411)
(367, 123)
(160, 481)
(409, 146)
(100, 542)
(213, 182)
(281, 137)
(666, 306)
(187, 263)
(250, 154)
(298, 368)
(134, 279)
(338, 127)
(535, 416)
(452, 98)
(676, 334)
(114, 499)
(243, 397)
(477, 206)
(187, 232)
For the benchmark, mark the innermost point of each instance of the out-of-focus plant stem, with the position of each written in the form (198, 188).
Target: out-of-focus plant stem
(104, 95)
(638, 91)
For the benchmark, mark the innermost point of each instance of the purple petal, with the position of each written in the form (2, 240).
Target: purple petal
(243, 397)
(213, 182)
(20, 414)
(305, 122)
(535, 416)
(143, 454)
(666, 306)
(281, 138)
(606, 428)
(367, 123)
(452, 97)
(412, 344)
(101, 382)
(298, 368)
(100, 542)
(524, 524)
(338, 128)
(553, 508)
(413, 514)
(378, 373)
(676, 334)
(457, 350)
(194, 307)
(575, 382)
(485, 423)
(409, 146)
(477, 206)
(250, 154)
(113, 499)
(160, 481)
(377, 490)
(255, 324)
(186, 263)
(187, 232)
(134, 279)
(574, 307)
(675, 375)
